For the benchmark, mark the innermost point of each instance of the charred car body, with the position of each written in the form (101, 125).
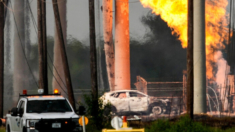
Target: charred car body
(133, 101)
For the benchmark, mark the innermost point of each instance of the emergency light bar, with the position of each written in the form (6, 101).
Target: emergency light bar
(56, 91)
(40, 93)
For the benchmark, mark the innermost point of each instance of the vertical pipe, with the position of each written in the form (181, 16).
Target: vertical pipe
(93, 62)
(83, 124)
(199, 58)
(1, 57)
(122, 45)
(44, 44)
(99, 47)
(40, 45)
(190, 60)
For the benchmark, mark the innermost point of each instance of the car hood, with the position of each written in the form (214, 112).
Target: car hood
(51, 115)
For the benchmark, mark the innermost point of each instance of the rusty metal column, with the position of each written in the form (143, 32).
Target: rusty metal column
(199, 57)
(122, 45)
(108, 41)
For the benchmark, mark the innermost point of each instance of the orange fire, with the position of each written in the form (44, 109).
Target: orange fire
(174, 12)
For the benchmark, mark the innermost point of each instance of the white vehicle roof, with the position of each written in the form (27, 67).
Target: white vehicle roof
(44, 97)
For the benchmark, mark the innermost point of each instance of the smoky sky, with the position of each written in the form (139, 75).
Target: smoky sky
(78, 18)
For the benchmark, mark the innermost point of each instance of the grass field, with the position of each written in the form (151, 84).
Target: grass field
(2, 129)
(183, 124)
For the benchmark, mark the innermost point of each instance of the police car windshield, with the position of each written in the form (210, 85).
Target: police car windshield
(45, 106)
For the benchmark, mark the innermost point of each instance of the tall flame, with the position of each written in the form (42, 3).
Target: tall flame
(174, 12)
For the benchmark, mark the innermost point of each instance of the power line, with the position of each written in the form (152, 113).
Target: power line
(34, 21)
(12, 10)
(57, 80)
(35, 27)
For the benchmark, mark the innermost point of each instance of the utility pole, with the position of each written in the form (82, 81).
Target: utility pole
(1, 56)
(41, 46)
(63, 54)
(199, 57)
(58, 81)
(190, 60)
(93, 63)
(44, 40)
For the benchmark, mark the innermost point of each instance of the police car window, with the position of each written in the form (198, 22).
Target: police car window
(45, 106)
(135, 94)
(19, 104)
(22, 105)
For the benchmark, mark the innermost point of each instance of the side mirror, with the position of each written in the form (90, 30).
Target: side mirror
(14, 111)
(81, 110)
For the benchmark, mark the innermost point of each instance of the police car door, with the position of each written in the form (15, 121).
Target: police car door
(15, 119)
(19, 119)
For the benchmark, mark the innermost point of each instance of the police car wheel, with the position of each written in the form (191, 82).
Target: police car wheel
(8, 129)
(24, 129)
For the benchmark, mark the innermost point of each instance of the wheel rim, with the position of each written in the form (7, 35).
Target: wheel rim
(157, 110)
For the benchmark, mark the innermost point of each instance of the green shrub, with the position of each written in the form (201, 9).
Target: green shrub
(184, 124)
(103, 120)
(159, 126)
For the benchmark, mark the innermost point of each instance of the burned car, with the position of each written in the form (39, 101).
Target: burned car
(133, 101)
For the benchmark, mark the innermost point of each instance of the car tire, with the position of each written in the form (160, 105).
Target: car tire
(156, 110)
(24, 129)
(113, 110)
(8, 128)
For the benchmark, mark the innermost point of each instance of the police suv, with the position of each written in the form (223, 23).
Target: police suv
(42, 113)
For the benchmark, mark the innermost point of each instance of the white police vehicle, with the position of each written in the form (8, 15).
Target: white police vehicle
(42, 113)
